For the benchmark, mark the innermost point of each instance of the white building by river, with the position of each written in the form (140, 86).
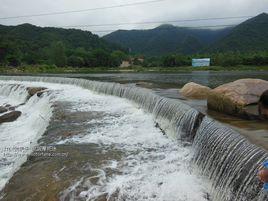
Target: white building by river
(201, 62)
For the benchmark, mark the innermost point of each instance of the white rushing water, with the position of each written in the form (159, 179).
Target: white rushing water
(18, 138)
(153, 167)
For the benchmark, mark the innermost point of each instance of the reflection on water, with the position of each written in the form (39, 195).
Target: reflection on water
(172, 80)
(169, 80)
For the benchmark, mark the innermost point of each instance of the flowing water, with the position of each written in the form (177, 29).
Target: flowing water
(24, 132)
(136, 146)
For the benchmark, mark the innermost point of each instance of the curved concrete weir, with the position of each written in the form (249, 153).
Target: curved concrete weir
(220, 153)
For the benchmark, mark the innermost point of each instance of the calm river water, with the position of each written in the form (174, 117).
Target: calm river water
(174, 80)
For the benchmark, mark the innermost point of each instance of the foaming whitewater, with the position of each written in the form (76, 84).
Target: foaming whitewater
(19, 137)
(152, 167)
(181, 119)
(220, 153)
(12, 94)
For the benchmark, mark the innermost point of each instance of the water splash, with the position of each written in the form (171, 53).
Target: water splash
(13, 94)
(19, 137)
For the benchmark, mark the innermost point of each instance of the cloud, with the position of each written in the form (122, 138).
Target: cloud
(159, 11)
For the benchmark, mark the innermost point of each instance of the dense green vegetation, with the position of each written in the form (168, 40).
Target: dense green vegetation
(166, 39)
(163, 69)
(250, 36)
(36, 49)
(28, 44)
(217, 59)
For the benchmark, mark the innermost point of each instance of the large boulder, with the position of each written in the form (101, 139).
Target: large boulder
(195, 91)
(9, 117)
(263, 105)
(238, 97)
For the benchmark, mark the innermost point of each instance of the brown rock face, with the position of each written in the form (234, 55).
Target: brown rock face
(235, 97)
(195, 91)
(263, 105)
(9, 117)
(33, 90)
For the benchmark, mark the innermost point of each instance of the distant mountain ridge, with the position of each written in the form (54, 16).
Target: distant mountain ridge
(251, 35)
(44, 36)
(166, 39)
(248, 36)
(29, 44)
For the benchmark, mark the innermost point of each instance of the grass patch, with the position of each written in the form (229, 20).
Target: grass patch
(51, 69)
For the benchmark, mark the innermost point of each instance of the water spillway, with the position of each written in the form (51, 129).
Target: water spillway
(230, 161)
(220, 153)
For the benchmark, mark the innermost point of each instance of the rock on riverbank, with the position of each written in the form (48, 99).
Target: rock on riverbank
(239, 98)
(195, 91)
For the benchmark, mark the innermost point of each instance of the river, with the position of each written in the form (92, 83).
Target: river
(173, 80)
(168, 85)
(137, 147)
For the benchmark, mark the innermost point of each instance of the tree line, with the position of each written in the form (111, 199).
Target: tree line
(57, 54)
(16, 54)
(31, 45)
(224, 59)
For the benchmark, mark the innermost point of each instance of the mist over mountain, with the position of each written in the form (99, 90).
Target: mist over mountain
(31, 44)
(166, 39)
(251, 35)
(248, 36)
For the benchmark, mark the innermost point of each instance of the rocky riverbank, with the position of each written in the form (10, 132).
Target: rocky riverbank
(244, 98)
(241, 104)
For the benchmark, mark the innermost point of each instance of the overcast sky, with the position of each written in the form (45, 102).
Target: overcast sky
(165, 10)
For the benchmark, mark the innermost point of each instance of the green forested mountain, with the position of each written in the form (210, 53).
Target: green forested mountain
(35, 45)
(166, 39)
(252, 35)
(249, 36)
(245, 44)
